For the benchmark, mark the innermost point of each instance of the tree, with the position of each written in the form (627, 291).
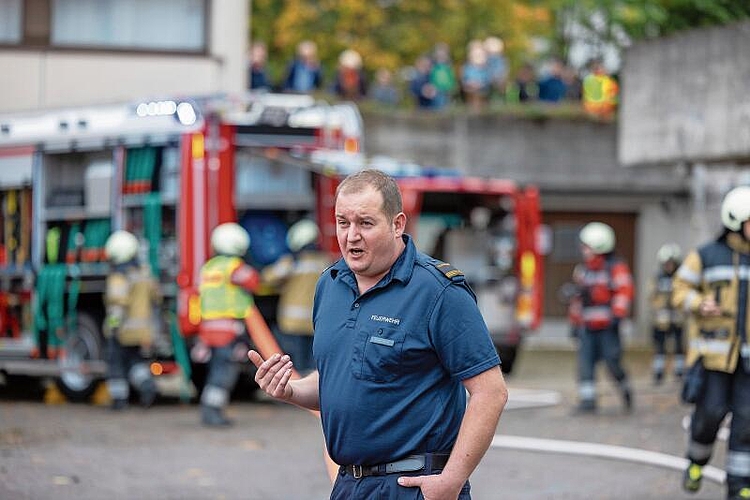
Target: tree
(392, 33)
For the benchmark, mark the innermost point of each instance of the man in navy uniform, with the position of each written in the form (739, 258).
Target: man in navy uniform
(398, 342)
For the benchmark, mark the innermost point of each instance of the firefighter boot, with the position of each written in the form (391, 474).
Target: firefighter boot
(691, 480)
(212, 416)
(147, 397)
(627, 399)
(119, 404)
(743, 493)
(585, 406)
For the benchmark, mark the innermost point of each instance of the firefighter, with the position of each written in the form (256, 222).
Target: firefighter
(226, 284)
(129, 297)
(297, 274)
(712, 285)
(604, 293)
(667, 321)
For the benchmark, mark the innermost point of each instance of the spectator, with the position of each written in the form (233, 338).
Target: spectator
(257, 78)
(304, 73)
(497, 66)
(600, 92)
(524, 88)
(442, 76)
(573, 86)
(552, 87)
(421, 87)
(383, 91)
(475, 78)
(350, 80)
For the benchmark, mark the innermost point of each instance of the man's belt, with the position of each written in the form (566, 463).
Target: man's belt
(413, 463)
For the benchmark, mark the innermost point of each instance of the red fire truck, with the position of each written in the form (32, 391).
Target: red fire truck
(170, 170)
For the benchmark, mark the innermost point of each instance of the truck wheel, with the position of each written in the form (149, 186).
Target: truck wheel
(82, 345)
(507, 355)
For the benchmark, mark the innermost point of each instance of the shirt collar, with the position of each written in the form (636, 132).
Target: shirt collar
(401, 270)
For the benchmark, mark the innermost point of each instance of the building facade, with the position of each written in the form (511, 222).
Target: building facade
(67, 52)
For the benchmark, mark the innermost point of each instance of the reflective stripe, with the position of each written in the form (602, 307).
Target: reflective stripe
(587, 390)
(710, 346)
(139, 373)
(688, 275)
(597, 313)
(689, 299)
(726, 273)
(621, 280)
(699, 451)
(214, 396)
(118, 388)
(658, 364)
(738, 463)
(296, 312)
(679, 363)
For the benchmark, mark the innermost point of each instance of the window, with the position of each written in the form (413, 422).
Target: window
(11, 15)
(172, 25)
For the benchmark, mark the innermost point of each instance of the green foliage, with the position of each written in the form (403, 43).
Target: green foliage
(392, 33)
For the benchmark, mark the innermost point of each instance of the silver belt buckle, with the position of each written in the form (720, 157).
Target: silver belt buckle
(357, 471)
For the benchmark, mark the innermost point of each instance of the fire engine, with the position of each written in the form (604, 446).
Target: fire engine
(170, 170)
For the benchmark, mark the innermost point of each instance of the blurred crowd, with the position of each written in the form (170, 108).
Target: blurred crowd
(436, 81)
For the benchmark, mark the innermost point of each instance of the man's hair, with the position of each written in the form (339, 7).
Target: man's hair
(378, 180)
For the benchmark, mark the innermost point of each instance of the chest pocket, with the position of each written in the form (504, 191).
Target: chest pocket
(377, 354)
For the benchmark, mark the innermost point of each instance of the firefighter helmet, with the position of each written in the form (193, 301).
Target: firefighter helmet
(301, 234)
(121, 246)
(669, 251)
(598, 236)
(230, 239)
(735, 209)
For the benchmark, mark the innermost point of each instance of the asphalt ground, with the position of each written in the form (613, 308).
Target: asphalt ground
(82, 451)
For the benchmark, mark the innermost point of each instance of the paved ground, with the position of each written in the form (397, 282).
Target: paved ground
(76, 451)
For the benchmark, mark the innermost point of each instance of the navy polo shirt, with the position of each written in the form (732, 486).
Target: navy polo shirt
(391, 360)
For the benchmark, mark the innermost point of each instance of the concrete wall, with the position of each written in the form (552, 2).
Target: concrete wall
(574, 163)
(50, 78)
(686, 98)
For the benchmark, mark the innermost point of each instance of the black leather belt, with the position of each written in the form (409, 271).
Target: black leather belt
(428, 462)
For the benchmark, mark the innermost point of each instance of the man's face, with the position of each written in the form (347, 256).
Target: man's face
(587, 252)
(369, 241)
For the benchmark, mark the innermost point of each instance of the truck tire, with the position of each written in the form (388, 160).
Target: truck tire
(82, 344)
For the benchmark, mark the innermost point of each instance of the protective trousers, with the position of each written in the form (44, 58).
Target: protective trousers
(593, 346)
(126, 367)
(385, 487)
(223, 372)
(724, 393)
(673, 333)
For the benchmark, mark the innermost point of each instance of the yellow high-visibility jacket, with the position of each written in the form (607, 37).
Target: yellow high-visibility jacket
(129, 297)
(720, 269)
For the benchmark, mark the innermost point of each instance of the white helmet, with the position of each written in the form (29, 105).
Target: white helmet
(599, 237)
(230, 239)
(735, 209)
(301, 234)
(121, 246)
(669, 251)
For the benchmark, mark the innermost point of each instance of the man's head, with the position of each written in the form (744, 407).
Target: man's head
(735, 210)
(369, 222)
(670, 256)
(230, 239)
(597, 238)
(121, 247)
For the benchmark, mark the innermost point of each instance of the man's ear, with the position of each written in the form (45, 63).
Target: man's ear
(399, 224)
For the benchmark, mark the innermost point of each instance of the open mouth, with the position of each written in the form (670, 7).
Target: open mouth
(356, 252)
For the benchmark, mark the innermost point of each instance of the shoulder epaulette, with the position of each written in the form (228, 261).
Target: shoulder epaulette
(449, 271)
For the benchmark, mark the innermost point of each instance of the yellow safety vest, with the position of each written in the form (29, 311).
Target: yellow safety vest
(220, 298)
